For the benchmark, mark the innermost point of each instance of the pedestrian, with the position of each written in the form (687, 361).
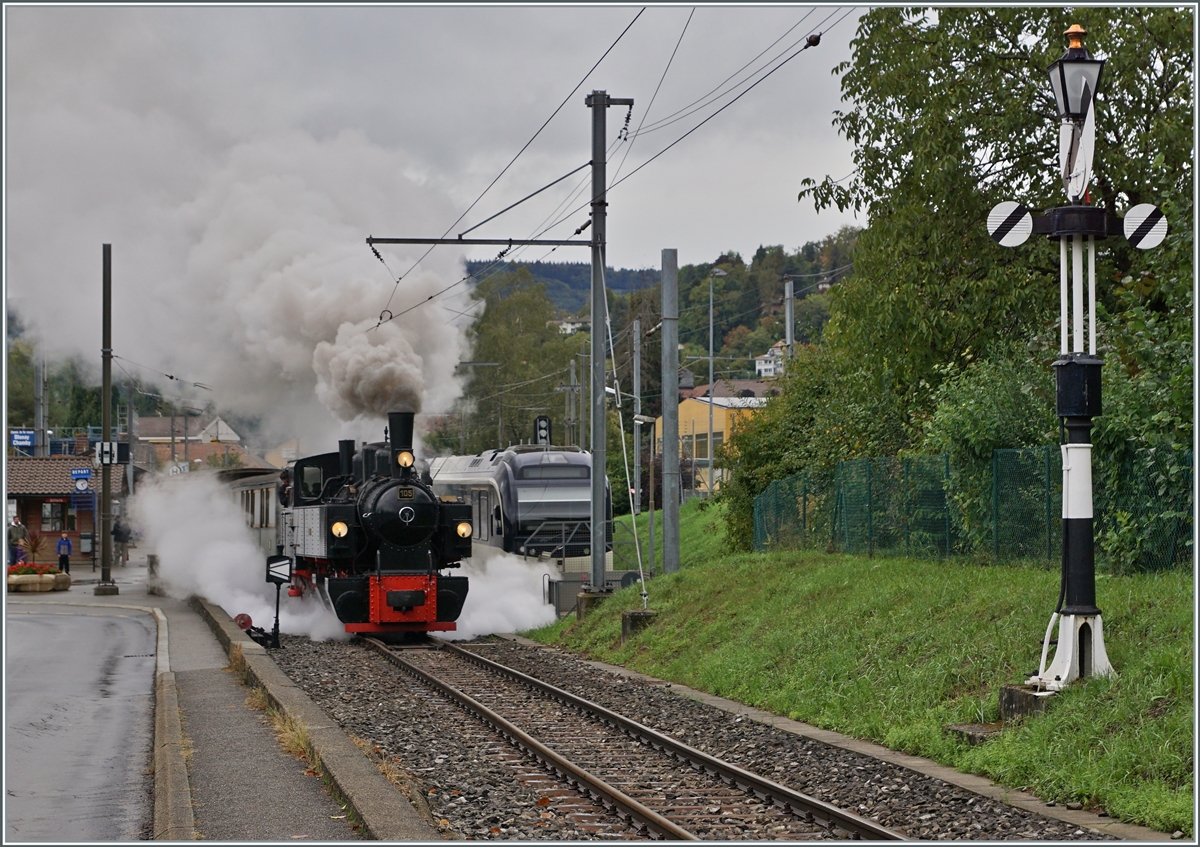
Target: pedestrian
(64, 553)
(18, 538)
(120, 534)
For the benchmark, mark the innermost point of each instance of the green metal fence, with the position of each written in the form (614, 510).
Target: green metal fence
(795, 513)
(1026, 514)
(893, 505)
(1143, 508)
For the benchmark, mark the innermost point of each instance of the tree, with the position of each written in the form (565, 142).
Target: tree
(950, 113)
(514, 330)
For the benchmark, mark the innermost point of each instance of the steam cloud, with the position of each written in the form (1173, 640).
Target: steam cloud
(205, 549)
(238, 234)
(505, 595)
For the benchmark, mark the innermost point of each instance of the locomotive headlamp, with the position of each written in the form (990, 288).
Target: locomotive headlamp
(464, 530)
(339, 529)
(404, 459)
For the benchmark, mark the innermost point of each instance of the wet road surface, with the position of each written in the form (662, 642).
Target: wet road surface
(79, 725)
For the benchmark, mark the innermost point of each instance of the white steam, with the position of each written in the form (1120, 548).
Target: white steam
(205, 549)
(238, 237)
(505, 595)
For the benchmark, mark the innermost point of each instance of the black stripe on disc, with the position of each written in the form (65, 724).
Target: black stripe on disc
(1145, 226)
(1011, 221)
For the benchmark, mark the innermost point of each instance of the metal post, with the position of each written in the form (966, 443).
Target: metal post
(598, 102)
(652, 446)
(670, 409)
(790, 310)
(40, 447)
(106, 586)
(637, 410)
(129, 436)
(711, 392)
(572, 419)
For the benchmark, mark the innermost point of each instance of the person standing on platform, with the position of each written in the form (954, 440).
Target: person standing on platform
(65, 550)
(18, 537)
(120, 534)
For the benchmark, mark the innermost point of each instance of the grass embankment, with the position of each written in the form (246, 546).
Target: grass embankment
(893, 649)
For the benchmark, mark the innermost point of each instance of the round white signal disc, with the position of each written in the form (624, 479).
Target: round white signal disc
(1145, 226)
(1009, 223)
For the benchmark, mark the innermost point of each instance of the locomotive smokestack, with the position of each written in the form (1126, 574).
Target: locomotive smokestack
(346, 457)
(400, 428)
(400, 431)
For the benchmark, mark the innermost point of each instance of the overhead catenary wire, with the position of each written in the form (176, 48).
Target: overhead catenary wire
(514, 158)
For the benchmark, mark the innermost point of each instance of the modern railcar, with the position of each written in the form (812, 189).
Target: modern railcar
(530, 500)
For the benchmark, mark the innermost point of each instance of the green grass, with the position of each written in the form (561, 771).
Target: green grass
(893, 649)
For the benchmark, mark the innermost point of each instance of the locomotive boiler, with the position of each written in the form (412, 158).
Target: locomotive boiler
(366, 533)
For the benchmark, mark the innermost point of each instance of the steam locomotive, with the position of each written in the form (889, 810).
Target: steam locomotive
(365, 532)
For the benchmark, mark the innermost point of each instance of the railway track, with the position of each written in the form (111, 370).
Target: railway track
(624, 778)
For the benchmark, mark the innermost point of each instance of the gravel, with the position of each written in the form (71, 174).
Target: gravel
(473, 791)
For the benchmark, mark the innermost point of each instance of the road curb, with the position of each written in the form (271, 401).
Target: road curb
(173, 816)
(386, 814)
(970, 782)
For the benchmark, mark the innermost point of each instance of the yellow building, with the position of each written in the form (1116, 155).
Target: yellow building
(693, 432)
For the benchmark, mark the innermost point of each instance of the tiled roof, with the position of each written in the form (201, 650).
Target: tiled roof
(731, 388)
(51, 476)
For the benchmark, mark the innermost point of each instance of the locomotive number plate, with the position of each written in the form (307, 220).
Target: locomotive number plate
(404, 493)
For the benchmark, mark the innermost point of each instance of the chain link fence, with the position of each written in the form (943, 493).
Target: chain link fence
(916, 505)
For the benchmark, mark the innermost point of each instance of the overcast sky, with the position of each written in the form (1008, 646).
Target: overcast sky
(236, 158)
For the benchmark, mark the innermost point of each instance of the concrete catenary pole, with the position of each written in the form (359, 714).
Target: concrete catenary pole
(106, 585)
(598, 102)
(637, 410)
(670, 409)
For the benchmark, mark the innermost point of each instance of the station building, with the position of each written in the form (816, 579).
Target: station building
(54, 493)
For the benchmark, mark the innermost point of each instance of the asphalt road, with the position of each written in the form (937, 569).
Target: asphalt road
(79, 725)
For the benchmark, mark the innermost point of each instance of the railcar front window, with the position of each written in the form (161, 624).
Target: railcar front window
(554, 472)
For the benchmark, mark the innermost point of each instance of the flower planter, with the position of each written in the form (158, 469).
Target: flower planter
(32, 582)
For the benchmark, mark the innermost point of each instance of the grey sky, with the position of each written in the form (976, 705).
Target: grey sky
(236, 158)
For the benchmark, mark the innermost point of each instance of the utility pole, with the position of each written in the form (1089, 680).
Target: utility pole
(106, 587)
(129, 435)
(637, 411)
(670, 408)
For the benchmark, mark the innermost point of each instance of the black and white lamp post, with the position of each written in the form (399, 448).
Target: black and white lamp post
(1074, 79)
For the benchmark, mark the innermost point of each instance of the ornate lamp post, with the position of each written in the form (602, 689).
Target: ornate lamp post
(1074, 79)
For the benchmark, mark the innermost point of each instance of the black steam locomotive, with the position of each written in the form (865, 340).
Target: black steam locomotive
(364, 531)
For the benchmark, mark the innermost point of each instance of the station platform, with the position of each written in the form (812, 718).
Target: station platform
(220, 773)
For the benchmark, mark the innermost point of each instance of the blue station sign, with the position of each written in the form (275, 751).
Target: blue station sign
(21, 437)
(81, 473)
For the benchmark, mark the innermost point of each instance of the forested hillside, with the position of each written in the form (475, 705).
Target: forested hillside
(533, 374)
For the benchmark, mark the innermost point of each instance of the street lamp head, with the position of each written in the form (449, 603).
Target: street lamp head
(718, 272)
(1075, 77)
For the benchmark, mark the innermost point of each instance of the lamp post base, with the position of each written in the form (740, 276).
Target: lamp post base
(1080, 653)
(106, 589)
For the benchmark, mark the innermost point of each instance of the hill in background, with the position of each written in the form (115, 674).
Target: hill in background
(569, 284)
